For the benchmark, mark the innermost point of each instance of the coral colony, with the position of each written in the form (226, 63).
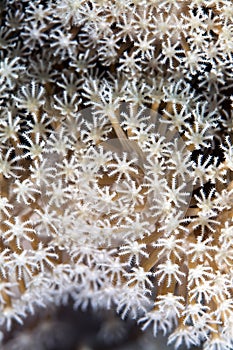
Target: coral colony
(116, 162)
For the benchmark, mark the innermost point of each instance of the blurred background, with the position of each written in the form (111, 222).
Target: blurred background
(66, 329)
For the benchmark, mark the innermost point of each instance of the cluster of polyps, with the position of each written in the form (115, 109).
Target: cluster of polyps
(127, 203)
